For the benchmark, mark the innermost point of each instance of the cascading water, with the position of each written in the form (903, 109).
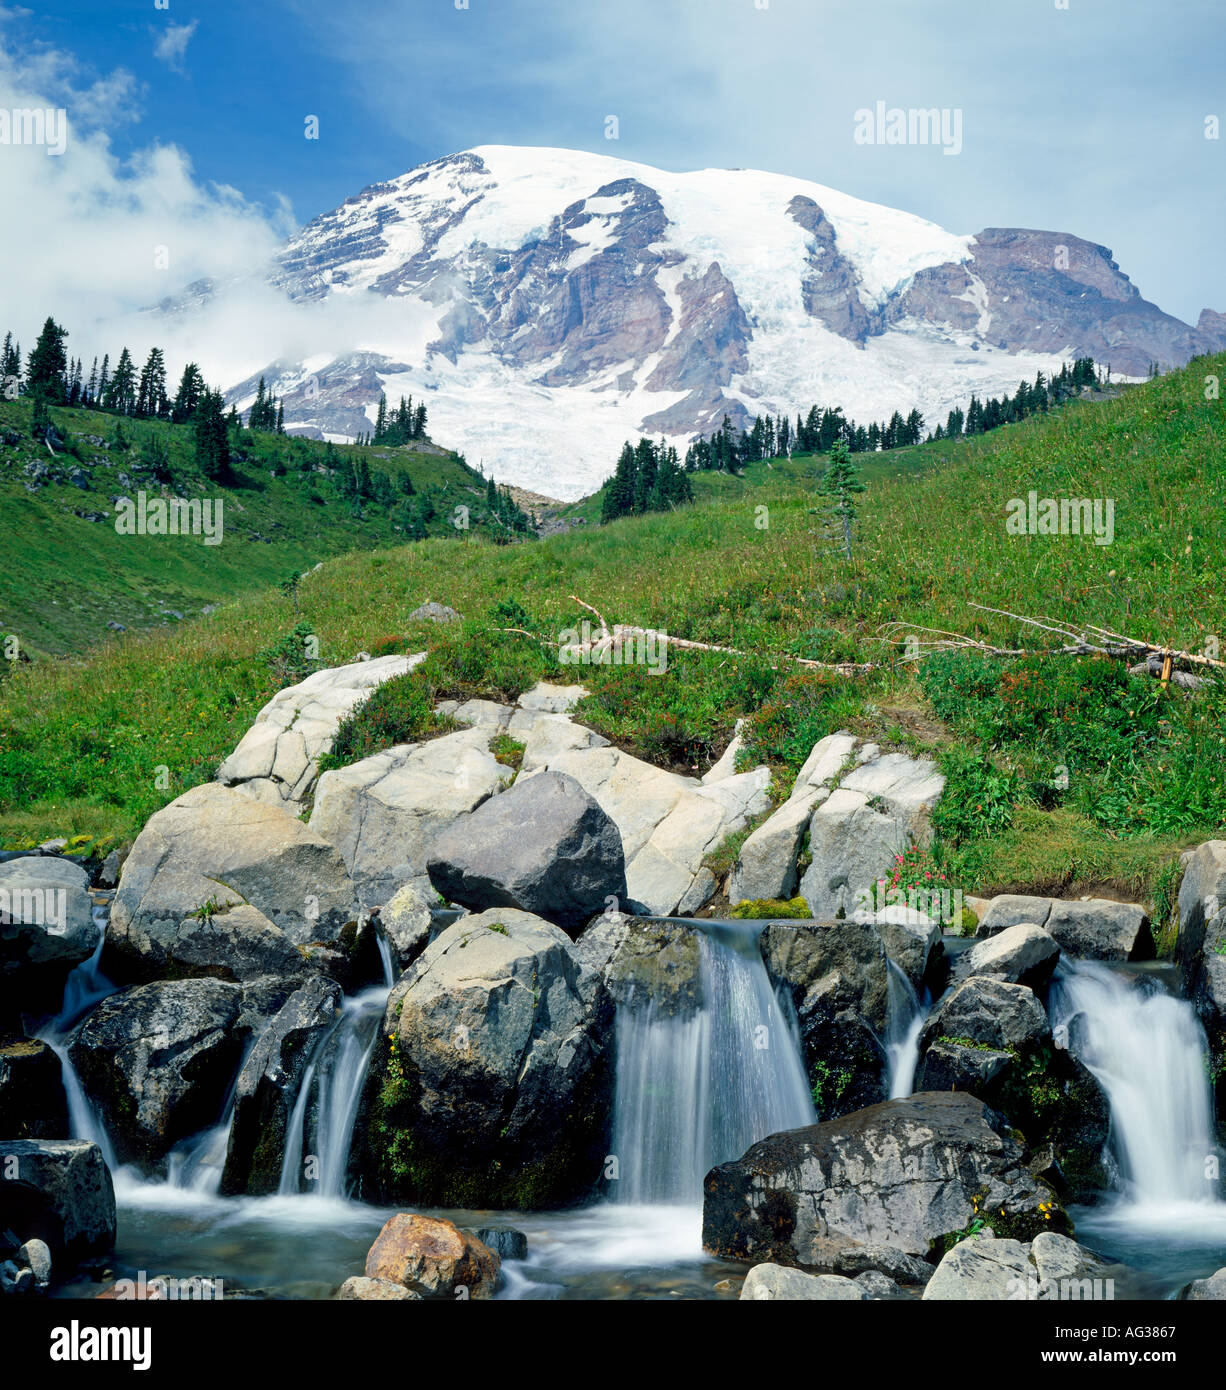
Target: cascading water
(326, 1107)
(698, 1089)
(85, 987)
(1147, 1051)
(905, 1019)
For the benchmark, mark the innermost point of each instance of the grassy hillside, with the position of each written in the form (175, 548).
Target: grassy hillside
(1144, 769)
(72, 575)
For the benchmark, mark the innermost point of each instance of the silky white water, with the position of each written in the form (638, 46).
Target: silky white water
(905, 1018)
(1147, 1051)
(85, 987)
(326, 1107)
(695, 1090)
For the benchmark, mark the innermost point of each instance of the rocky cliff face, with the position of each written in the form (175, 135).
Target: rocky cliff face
(547, 304)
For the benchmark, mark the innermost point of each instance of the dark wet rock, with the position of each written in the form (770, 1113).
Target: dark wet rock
(58, 1191)
(157, 1060)
(904, 1173)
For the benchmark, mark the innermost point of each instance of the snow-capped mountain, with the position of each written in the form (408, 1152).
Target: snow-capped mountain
(547, 304)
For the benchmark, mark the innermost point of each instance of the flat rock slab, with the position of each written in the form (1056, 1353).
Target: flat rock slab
(276, 758)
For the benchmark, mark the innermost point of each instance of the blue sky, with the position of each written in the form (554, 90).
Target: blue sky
(1086, 119)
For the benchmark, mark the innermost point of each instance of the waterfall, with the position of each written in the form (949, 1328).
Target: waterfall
(333, 1081)
(84, 987)
(905, 1018)
(1147, 1051)
(698, 1089)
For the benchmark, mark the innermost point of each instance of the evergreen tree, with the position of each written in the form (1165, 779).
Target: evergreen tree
(47, 366)
(151, 393)
(212, 440)
(188, 396)
(841, 481)
(121, 393)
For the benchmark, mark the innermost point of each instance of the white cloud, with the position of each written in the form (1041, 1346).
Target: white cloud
(95, 240)
(171, 46)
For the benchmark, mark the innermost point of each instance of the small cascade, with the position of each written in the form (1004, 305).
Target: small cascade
(1147, 1051)
(326, 1107)
(906, 1014)
(196, 1165)
(85, 987)
(694, 1090)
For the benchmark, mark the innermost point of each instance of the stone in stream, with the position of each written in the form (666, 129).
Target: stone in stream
(33, 1103)
(645, 959)
(157, 1061)
(211, 850)
(360, 1288)
(544, 847)
(896, 1265)
(46, 927)
(904, 1173)
(1200, 948)
(1091, 928)
(433, 1258)
(58, 1191)
(778, 1282)
(268, 1086)
(990, 1013)
(1050, 1267)
(505, 1241)
(837, 976)
(1210, 1290)
(912, 940)
(495, 1088)
(1020, 955)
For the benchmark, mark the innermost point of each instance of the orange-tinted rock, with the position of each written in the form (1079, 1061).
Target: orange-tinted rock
(433, 1257)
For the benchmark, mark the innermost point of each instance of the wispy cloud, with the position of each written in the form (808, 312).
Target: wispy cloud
(171, 46)
(99, 240)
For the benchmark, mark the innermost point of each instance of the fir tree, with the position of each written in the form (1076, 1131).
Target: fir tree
(841, 481)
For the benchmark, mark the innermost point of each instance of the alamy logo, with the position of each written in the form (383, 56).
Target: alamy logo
(44, 907)
(624, 646)
(77, 1343)
(30, 126)
(916, 125)
(1033, 515)
(1062, 1290)
(175, 516)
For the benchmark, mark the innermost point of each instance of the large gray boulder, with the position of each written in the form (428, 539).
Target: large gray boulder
(215, 848)
(876, 810)
(268, 1086)
(771, 1281)
(33, 1103)
(58, 1191)
(544, 847)
(1050, 1268)
(157, 1060)
(637, 959)
(385, 813)
(46, 924)
(837, 976)
(668, 823)
(1200, 947)
(500, 1036)
(990, 1013)
(1091, 928)
(903, 1173)
(767, 868)
(913, 941)
(277, 758)
(1020, 955)
(1099, 929)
